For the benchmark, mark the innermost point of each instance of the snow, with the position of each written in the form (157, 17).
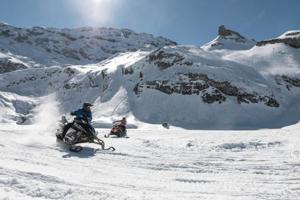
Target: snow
(270, 59)
(40, 46)
(213, 150)
(14, 107)
(154, 163)
(290, 34)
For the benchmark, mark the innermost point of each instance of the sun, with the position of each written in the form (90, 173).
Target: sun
(97, 12)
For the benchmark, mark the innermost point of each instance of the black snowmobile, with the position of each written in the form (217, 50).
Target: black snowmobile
(79, 132)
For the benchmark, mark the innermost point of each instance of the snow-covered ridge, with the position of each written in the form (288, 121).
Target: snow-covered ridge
(51, 46)
(187, 86)
(291, 38)
(290, 34)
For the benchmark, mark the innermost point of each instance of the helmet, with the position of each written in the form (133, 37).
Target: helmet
(86, 104)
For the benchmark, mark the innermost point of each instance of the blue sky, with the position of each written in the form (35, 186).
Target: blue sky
(185, 21)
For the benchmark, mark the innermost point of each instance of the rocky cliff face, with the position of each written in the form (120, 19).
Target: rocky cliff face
(227, 33)
(8, 64)
(229, 39)
(210, 90)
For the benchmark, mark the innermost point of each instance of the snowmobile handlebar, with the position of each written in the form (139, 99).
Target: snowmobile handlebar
(81, 120)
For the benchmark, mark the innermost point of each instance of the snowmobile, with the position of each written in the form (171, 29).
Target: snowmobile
(79, 132)
(117, 130)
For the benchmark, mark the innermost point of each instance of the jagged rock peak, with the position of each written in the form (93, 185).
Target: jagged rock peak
(223, 31)
(229, 39)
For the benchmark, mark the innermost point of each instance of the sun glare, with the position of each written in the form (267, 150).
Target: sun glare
(100, 12)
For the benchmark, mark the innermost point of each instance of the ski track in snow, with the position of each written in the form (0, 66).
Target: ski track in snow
(157, 164)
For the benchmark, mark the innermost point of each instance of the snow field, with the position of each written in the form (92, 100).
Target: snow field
(154, 163)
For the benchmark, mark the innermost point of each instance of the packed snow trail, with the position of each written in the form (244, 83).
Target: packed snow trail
(153, 163)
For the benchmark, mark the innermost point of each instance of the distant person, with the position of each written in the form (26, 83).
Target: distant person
(119, 128)
(122, 123)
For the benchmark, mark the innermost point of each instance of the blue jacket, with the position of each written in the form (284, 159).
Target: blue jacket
(81, 113)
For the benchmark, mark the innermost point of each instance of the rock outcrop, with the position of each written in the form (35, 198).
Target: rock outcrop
(6, 65)
(223, 31)
(165, 60)
(210, 90)
(292, 42)
(229, 39)
(290, 38)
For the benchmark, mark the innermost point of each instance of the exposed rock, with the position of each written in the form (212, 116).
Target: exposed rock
(6, 65)
(287, 81)
(69, 71)
(292, 81)
(292, 42)
(227, 32)
(271, 102)
(128, 70)
(293, 34)
(247, 98)
(165, 60)
(69, 86)
(165, 125)
(194, 84)
(211, 98)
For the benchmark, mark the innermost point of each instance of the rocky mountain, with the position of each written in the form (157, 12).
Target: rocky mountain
(291, 38)
(40, 46)
(187, 86)
(229, 40)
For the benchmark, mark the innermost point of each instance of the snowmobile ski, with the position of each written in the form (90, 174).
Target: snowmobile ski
(114, 136)
(75, 149)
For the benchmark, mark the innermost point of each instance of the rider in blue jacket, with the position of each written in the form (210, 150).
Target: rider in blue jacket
(84, 113)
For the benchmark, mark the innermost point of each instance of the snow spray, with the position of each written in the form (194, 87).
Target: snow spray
(46, 116)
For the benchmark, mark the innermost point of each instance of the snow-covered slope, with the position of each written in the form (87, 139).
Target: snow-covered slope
(14, 108)
(52, 46)
(152, 164)
(238, 86)
(187, 86)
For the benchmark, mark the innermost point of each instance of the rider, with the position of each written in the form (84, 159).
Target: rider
(122, 123)
(82, 113)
